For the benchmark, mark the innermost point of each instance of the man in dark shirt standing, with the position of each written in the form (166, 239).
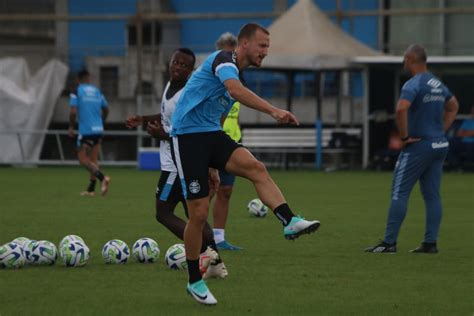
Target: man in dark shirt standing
(425, 111)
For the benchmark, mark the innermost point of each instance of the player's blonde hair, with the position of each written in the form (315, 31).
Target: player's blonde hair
(248, 31)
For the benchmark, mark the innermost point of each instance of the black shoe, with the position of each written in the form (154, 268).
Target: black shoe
(426, 248)
(383, 247)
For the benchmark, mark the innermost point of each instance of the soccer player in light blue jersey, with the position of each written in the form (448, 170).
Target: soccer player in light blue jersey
(168, 191)
(199, 145)
(425, 111)
(220, 211)
(89, 106)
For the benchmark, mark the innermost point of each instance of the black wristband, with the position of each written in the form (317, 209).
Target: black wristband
(404, 139)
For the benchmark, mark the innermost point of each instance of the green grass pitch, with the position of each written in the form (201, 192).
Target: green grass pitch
(326, 273)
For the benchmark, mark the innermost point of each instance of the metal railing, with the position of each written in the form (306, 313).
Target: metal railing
(21, 133)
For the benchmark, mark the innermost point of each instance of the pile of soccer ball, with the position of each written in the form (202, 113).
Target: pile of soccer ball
(144, 250)
(21, 251)
(74, 252)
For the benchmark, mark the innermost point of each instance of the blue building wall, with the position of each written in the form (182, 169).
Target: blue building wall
(200, 35)
(109, 38)
(90, 38)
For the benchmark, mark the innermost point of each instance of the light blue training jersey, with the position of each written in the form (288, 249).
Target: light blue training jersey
(428, 96)
(89, 102)
(205, 99)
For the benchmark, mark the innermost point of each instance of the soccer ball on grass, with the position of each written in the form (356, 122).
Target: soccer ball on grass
(11, 256)
(257, 208)
(175, 257)
(146, 250)
(115, 251)
(73, 251)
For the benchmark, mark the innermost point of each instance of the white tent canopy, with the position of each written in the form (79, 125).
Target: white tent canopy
(305, 38)
(27, 104)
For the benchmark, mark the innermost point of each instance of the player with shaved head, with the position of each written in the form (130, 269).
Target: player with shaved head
(425, 111)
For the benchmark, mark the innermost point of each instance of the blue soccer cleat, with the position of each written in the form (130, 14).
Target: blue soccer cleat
(201, 293)
(224, 245)
(299, 226)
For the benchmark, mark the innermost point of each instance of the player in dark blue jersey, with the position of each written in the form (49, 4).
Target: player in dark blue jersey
(200, 146)
(89, 106)
(425, 111)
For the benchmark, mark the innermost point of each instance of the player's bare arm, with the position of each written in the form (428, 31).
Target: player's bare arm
(450, 110)
(245, 96)
(133, 121)
(155, 129)
(401, 114)
(465, 133)
(105, 113)
(72, 121)
(223, 118)
(136, 120)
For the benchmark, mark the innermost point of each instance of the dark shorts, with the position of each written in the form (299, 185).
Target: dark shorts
(89, 140)
(195, 153)
(169, 188)
(227, 179)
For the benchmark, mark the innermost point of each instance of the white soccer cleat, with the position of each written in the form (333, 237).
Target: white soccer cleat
(201, 293)
(218, 271)
(206, 258)
(299, 226)
(87, 193)
(104, 188)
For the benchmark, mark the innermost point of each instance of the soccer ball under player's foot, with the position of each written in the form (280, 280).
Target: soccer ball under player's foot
(218, 271)
(201, 293)
(206, 258)
(382, 247)
(104, 188)
(299, 226)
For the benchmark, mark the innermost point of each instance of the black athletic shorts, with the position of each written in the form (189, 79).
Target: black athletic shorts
(195, 153)
(169, 188)
(89, 140)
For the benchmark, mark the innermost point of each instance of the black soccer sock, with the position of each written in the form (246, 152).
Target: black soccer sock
(99, 175)
(208, 240)
(193, 270)
(91, 187)
(283, 213)
(213, 246)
